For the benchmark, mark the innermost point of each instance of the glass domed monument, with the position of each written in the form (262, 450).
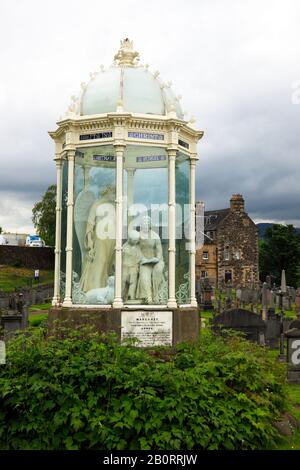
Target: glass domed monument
(125, 216)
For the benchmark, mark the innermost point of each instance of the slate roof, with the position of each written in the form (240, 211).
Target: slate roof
(213, 218)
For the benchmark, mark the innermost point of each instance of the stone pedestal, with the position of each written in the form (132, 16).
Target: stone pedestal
(183, 323)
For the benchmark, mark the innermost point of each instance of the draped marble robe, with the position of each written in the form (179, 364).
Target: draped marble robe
(99, 243)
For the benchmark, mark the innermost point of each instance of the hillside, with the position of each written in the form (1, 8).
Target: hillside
(262, 227)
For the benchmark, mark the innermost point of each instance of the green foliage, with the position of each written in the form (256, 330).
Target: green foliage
(43, 216)
(279, 250)
(76, 389)
(37, 320)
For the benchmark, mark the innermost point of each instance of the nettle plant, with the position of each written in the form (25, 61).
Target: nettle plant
(75, 389)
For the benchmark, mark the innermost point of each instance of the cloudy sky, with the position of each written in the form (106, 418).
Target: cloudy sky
(235, 62)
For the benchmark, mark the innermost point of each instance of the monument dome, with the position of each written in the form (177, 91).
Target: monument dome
(128, 86)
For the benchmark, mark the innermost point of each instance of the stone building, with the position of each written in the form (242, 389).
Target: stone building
(230, 250)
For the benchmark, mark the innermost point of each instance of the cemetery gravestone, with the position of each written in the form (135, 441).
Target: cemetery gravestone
(293, 355)
(249, 323)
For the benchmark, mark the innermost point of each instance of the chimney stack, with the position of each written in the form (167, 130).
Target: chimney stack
(237, 203)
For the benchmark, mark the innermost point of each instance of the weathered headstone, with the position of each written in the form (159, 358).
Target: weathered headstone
(293, 355)
(271, 310)
(239, 319)
(264, 301)
(297, 301)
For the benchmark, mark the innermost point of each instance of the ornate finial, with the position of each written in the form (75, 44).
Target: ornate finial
(126, 55)
(120, 107)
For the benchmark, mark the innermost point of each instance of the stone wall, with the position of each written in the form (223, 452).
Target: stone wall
(27, 257)
(209, 265)
(238, 234)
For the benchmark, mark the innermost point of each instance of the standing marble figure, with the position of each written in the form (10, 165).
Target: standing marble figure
(99, 242)
(151, 264)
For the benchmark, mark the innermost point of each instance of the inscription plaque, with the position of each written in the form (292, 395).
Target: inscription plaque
(150, 328)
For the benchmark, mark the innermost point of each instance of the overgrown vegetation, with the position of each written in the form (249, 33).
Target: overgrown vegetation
(12, 278)
(79, 390)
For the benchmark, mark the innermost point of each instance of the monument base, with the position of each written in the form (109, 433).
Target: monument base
(149, 325)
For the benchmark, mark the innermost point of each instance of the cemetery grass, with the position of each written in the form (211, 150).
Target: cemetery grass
(71, 388)
(12, 278)
(37, 319)
(38, 313)
(44, 306)
(293, 396)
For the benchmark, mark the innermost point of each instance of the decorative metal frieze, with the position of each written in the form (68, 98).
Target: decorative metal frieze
(98, 135)
(163, 292)
(78, 297)
(183, 292)
(151, 158)
(146, 135)
(184, 144)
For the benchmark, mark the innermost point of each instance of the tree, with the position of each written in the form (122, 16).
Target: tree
(280, 249)
(43, 216)
(1, 230)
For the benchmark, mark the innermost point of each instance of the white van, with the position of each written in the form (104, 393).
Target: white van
(34, 240)
(3, 240)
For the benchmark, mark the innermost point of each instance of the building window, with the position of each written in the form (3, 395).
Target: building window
(226, 253)
(205, 255)
(238, 255)
(204, 274)
(228, 276)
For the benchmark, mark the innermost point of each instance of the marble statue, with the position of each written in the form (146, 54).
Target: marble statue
(102, 295)
(132, 256)
(151, 264)
(83, 203)
(99, 242)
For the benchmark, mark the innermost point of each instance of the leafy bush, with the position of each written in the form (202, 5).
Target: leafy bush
(80, 390)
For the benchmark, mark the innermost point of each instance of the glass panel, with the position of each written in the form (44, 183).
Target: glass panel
(94, 226)
(63, 238)
(145, 244)
(182, 173)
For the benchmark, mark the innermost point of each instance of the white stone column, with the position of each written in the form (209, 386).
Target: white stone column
(70, 225)
(56, 294)
(118, 301)
(172, 227)
(193, 161)
(130, 192)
